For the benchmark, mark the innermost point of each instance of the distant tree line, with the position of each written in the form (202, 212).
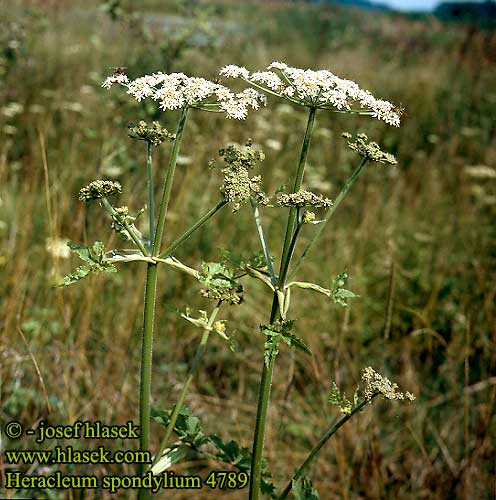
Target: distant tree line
(474, 12)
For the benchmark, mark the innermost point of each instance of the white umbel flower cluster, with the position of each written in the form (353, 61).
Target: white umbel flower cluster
(321, 89)
(176, 90)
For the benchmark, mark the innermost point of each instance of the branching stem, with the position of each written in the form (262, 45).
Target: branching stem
(322, 441)
(330, 212)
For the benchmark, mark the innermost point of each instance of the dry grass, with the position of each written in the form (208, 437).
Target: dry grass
(417, 241)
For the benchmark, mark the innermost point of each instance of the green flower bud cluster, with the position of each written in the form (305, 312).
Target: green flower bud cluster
(242, 156)
(99, 189)
(154, 134)
(238, 186)
(377, 384)
(369, 150)
(233, 296)
(121, 216)
(302, 199)
(308, 217)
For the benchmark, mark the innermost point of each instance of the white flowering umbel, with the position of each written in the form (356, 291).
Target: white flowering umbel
(318, 89)
(176, 91)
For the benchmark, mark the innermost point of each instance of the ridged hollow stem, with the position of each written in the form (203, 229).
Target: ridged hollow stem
(330, 212)
(179, 241)
(266, 380)
(322, 441)
(296, 187)
(187, 382)
(146, 366)
(169, 178)
(111, 210)
(151, 193)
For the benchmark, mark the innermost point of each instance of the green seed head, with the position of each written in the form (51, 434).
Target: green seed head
(369, 150)
(238, 186)
(154, 134)
(99, 189)
(302, 199)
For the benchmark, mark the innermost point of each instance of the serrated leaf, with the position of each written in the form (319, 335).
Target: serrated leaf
(296, 343)
(304, 490)
(95, 263)
(80, 273)
(339, 294)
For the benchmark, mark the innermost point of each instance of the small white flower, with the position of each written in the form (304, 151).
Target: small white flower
(268, 78)
(176, 90)
(234, 109)
(233, 71)
(277, 65)
(120, 78)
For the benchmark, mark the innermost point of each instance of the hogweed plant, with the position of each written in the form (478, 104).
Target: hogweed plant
(314, 90)
(220, 281)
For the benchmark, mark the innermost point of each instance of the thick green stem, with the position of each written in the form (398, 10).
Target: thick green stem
(179, 241)
(347, 186)
(151, 194)
(296, 187)
(322, 441)
(189, 378)
(266, 381)
(146, 365)
(169, 178)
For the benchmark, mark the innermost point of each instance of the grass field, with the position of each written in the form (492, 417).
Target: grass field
(418, 240)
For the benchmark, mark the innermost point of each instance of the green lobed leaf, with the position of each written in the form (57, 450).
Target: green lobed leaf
(304, 490)
(95, 263)
(296, 343)
(339, 294)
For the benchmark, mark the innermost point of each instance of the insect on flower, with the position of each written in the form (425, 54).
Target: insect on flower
(118, 70)
(400, 110)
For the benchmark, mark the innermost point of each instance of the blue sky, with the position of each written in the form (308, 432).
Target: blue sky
(410, 4)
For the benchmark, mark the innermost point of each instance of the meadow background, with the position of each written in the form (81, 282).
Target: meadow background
(418, 240)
